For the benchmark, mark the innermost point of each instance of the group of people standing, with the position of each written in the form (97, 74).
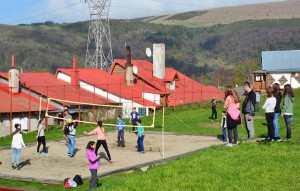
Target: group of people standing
(273, 110)
(231, 118)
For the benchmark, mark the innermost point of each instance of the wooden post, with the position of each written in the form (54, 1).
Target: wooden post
(29, 112)
(10, 114)
(201, 88)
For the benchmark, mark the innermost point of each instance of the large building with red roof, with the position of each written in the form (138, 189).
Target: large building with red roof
(129, 83)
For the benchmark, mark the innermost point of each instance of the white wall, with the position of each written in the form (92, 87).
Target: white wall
(294, 83)
(103, 93)
(152, 97)
(5, 124)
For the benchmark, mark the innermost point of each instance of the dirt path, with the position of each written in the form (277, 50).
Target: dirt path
(58, 165)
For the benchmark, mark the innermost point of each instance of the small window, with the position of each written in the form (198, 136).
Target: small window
(258, 78)
(142, 112)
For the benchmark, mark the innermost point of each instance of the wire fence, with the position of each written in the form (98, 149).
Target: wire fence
(30, 102)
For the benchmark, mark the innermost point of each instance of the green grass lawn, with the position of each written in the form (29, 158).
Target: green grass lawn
(248, 166)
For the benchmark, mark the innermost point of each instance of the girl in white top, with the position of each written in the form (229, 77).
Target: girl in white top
(16, 145)
(269, 108)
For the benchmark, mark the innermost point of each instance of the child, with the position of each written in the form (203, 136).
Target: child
(94, 163)
(224, 125)
(141, 135)
(70, 131)
(16, 145)
(41, 138)
(121, 129)
(101, 139)
(287, 109)
(214, 109)
(133, 117)
(269, 107)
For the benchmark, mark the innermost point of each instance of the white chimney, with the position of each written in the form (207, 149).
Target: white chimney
(159, 59)
(13, 76)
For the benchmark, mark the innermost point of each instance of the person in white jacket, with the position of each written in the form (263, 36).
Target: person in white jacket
(16, 145)
(269, 108)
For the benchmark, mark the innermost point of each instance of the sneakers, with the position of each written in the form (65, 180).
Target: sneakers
(37, 154)
(142, 152)
(18, 166)
(46, 155)
(229, 144)
(13, 166)
(110, 161)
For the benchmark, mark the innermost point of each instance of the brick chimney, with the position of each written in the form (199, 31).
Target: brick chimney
(75, 75)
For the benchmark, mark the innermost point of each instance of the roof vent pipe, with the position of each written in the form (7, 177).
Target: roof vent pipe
(128, 68)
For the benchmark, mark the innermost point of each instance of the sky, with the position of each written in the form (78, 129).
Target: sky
(14, 12)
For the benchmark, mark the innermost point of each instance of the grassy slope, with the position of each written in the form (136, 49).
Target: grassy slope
(226, 15)
(249, 166)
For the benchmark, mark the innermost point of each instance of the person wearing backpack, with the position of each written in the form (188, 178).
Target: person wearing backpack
(93, 164)
(101, 139)
(287, 109)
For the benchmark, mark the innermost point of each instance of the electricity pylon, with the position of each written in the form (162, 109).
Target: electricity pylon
(99, 49)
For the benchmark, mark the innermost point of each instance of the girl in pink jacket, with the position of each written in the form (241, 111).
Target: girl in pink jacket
(94, 163)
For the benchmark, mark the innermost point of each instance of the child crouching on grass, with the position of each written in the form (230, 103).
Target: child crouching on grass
(94, 163)
(224, 126)
(141, 135)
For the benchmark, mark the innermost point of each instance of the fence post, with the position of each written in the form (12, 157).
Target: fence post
(29, 112)
(107, 102)
(201, 89)
(184, 102)
(193, 90)
(10, 115)
(79, 113)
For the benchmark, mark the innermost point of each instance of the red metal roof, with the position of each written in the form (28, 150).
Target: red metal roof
(20, 102)
(115, 84)
(187, 90)
(47, 84)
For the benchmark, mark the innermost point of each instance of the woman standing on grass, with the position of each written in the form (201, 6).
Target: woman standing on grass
(101, 139)
(41, 137)
(232, 105)
(16, 145)
(269, 107)
(94, 163)
(277, 110)
(287, 109)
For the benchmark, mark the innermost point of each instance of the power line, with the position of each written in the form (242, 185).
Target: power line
(22, 5)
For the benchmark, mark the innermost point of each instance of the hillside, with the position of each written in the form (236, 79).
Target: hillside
(276, 10)
(189, 49)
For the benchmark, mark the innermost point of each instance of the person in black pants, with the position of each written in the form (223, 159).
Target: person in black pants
(101, 139)
(41, 137)
(232, 105)
(269, 107)
(214, 109)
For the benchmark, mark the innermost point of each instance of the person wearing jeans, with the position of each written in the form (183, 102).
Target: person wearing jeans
(141, 136)
(277, 111)
(287, 109)
(70, 130)
(269, 107)
(16, 145)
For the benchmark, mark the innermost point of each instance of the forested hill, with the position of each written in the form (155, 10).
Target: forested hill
(45, 47)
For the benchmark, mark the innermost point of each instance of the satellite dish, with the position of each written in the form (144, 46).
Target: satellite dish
(134, 69)
(148, 52)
